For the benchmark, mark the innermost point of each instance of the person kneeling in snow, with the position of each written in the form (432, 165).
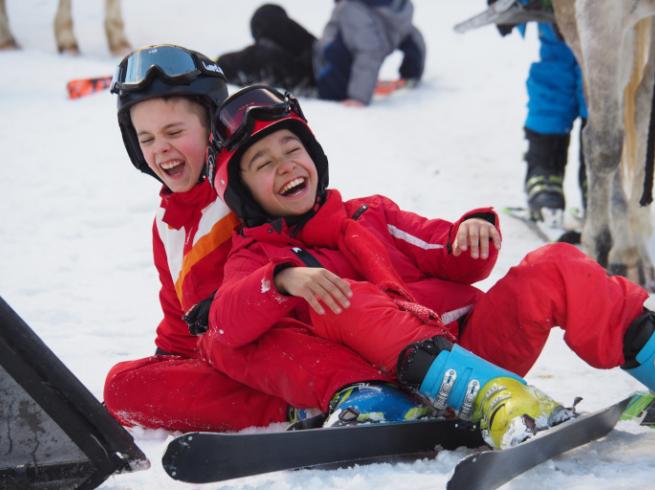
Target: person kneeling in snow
(394, 287)
(343, 64)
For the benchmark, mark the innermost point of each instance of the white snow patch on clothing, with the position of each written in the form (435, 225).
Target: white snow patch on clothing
(413, 240)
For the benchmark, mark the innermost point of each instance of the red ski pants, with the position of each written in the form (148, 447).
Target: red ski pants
(556, 285)
(290, 362)
(181, 394)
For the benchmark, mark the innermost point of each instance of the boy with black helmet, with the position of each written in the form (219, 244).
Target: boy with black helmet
(166, 97)
(396, 288)
(163, 71)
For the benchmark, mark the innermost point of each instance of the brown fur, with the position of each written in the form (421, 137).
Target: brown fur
(63, 27)
(614, 44)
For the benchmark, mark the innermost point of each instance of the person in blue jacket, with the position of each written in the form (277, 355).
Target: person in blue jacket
(555, 101)
(343, 64)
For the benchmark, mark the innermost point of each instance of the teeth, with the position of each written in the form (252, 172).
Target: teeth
(170, 164)
(292, 184)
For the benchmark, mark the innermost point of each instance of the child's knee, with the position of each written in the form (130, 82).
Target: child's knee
(553, 253)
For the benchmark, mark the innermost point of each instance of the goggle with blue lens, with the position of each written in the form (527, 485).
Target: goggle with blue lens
(173, 63)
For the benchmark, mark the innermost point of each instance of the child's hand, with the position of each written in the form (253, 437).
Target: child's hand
(314, 284)
(476, 233)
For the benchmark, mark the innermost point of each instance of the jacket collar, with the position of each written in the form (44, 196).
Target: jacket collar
(180, 207)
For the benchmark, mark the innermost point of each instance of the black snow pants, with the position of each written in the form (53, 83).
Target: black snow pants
(280, 56)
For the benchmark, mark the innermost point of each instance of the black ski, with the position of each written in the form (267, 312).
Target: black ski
(490, 469)
(203, 457)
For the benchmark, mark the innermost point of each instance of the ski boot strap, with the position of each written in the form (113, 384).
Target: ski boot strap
(645, 371)
(456, 377)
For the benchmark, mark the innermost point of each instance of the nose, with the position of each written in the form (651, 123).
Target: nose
(285, 165)
(162, 146)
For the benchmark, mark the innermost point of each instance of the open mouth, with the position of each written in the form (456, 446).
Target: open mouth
(294, 187)
(172, 167)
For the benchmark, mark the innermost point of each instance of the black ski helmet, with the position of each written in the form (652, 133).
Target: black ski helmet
(163, 70)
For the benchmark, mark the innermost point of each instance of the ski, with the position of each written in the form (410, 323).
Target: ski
(564, 228)
(388, 87)
(204, 457)
(493, 468)
(82, 87)
(506, 12)
(641, 409)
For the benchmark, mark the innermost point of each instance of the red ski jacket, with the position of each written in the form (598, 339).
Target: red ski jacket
(419, 250)
(191, 241)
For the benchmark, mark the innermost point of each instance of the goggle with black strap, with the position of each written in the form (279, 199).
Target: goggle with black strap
(235, 118)
(175, 64)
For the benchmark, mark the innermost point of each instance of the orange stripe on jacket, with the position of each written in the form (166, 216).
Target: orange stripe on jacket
(217, 236)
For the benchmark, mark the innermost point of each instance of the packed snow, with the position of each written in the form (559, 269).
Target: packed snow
(76, 217)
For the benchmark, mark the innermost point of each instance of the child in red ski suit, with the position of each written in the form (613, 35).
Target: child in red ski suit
(164, 120)
(393, 286)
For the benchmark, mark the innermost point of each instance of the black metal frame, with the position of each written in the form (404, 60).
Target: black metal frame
(108, 446)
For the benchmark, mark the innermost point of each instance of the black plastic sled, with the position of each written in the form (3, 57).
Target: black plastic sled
(54, 434)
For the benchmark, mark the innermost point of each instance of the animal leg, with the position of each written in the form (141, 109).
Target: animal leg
(602, 142)
(115, 28)
(601, 63)
(631, 251)
(64, 35)
(7, 40)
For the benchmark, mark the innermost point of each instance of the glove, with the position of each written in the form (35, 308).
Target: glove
(197, 317)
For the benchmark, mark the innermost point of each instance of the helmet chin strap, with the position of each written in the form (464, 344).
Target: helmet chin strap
(295, 223)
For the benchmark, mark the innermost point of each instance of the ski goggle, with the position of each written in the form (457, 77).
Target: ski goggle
(235, 118)
(174, 63)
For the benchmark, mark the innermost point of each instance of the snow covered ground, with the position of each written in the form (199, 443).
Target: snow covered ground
(75, 217)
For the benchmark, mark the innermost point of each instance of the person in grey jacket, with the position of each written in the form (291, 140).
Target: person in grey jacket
(343, 64)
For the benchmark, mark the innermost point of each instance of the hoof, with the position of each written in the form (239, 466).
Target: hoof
(121, 49)
(72, 50)
(9, 45)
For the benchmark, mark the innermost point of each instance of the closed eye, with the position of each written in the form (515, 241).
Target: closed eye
(262, 165)
(175, 133)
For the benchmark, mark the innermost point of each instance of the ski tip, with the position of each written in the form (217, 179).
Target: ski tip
(177, 449)
(641, 409)
(86, 86)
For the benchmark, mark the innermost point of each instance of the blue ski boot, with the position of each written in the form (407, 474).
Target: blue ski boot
(373, 402)
(304, 418)
(454, 379)
(639, 349)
